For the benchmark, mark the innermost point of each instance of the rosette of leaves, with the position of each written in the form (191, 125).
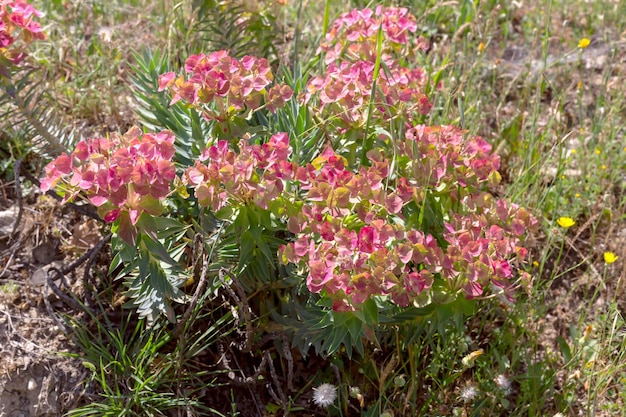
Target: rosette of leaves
(243, 29)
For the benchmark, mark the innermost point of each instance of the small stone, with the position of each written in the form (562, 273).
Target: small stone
(45, 253)
(39, 277)
(32, 384)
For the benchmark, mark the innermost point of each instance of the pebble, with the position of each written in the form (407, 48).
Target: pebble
(32, 384)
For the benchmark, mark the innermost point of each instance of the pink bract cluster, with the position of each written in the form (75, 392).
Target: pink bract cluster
(231, 83)
(255, 174)
(441, 157)
(17, 20)
(121, 175)
(481, 245)
(352, 240)
(353, 36)
(345, 90)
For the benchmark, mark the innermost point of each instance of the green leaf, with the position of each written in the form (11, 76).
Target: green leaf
(150, 205)
(370, 310)
(354, 326)
(242, 222)
(246, 250)
(566, 351)
(167, 227)
(125, 229)
(157, 250)
(332, 345)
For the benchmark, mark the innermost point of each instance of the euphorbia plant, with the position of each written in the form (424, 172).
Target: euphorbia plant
(409, 225)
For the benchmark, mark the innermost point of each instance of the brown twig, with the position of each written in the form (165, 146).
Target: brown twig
(57, 291)
(242, 303)
(289, 357)
(283, 399)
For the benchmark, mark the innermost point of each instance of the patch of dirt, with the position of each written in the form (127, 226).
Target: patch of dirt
(40, 373)
(37, 375)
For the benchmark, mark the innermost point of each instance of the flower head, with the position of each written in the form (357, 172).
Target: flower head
(584, 42)
(469, 359)
(610, 257)
(566, 222)
(325, 395)
(504, 383)
(468, 393)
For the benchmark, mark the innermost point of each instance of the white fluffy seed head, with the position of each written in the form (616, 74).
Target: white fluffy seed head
(468, 393)
(504, 384)
(324, 395)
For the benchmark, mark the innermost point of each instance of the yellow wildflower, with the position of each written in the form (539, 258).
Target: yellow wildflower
(603, 167)
(481, 47)
(566, 222)
(584, 42)
(610, 257)
(469, 359)
(598, 151)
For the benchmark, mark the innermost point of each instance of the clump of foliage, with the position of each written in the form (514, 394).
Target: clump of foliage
(390, 214)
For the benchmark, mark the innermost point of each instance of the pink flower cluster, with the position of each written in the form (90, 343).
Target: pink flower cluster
(353, 35)
(255, 174)
(350, 228)
(351, 48)
(441, 156)
(351, 238)
(122, 175)
(17, 19)
(482, 243)
(345, 91)
(233, 84)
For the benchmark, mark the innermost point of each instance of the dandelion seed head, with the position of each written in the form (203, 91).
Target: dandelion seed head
(324, 395)
(504, 384)
(468, 393)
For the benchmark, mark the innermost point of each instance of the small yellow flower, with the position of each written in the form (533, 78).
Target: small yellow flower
(580, 85)
(603, 167)
(469, 359)
(481, 47)
(566, 222)
(573, 151)
(577, 195)
(598, 151)
(535, 264)
(610, 257)
(584, 42)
